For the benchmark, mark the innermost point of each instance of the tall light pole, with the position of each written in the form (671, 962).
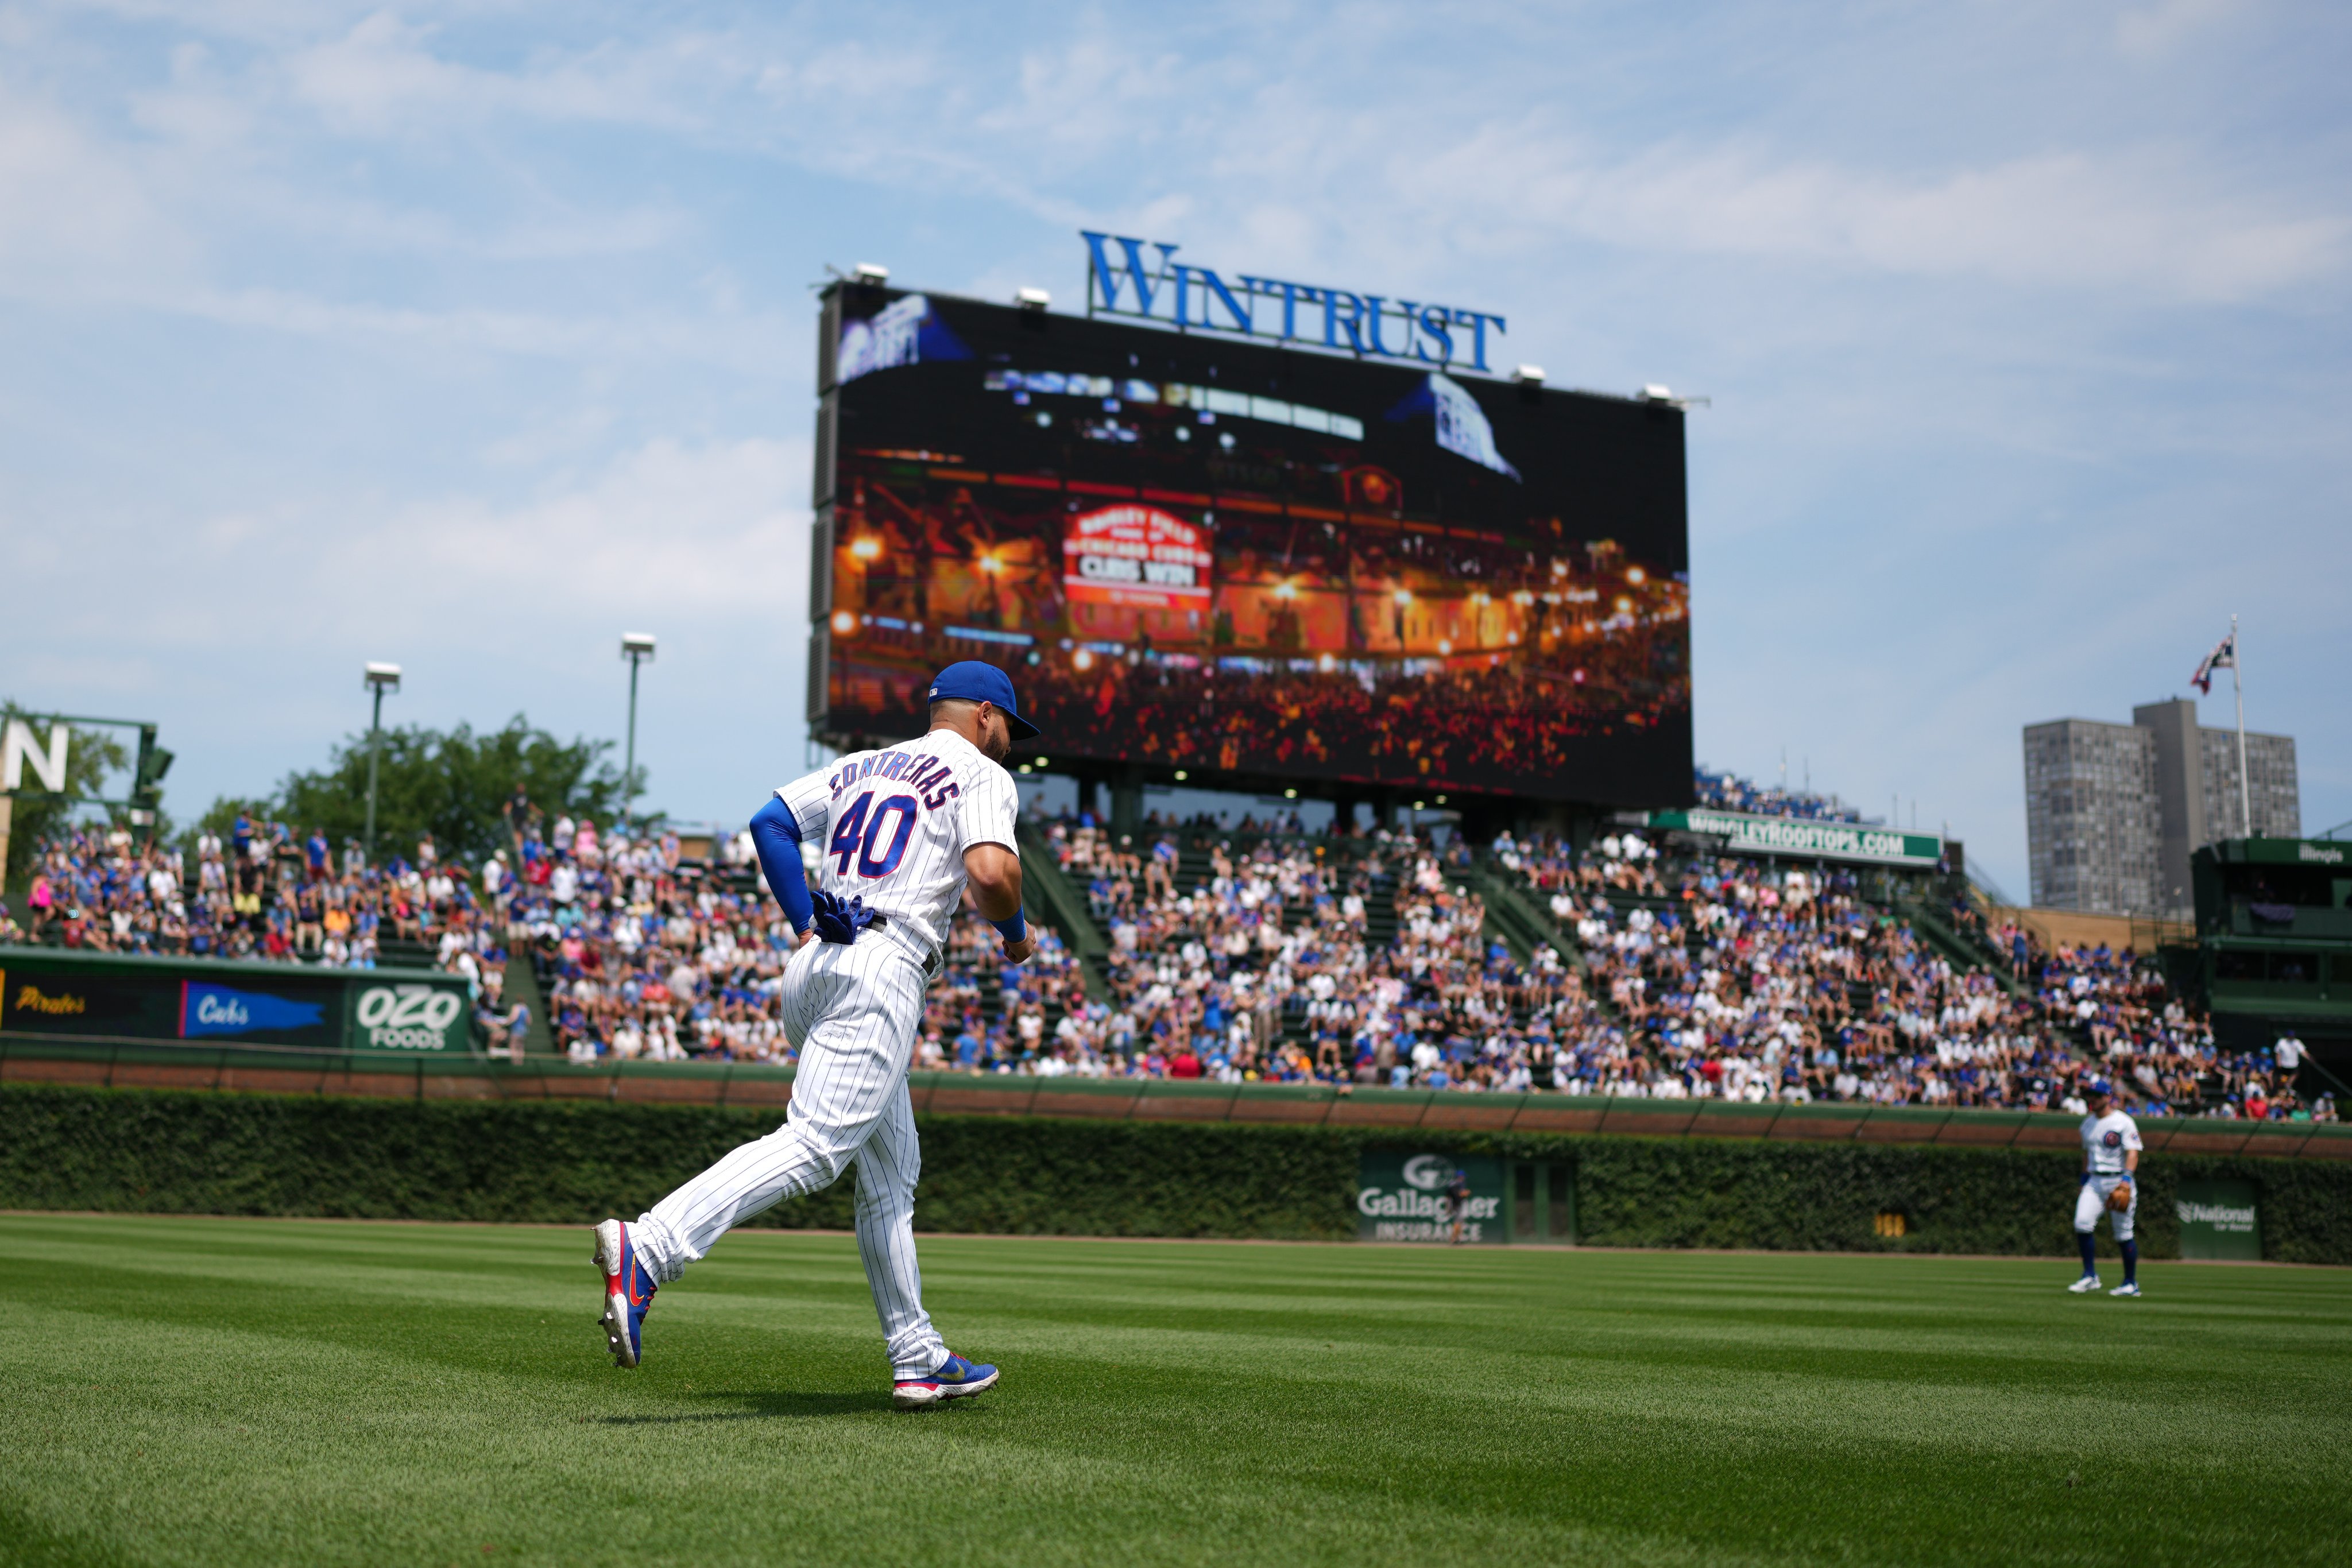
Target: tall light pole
(381, 678)
(637, 648)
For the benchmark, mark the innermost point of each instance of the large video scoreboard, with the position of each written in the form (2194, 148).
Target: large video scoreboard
(1254, 565)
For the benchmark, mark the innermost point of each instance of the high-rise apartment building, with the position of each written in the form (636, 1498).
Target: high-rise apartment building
(2113, 811)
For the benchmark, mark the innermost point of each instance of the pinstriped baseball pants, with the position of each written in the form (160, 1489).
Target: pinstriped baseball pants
(855, 1010)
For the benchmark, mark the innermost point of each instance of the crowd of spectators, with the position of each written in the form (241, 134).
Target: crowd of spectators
(1744, 978)
(1729, 792)
(1750, 981)
(2163, 1051)
(1253, 954)
(1035, 1020)
(263, 892)
(638, 955)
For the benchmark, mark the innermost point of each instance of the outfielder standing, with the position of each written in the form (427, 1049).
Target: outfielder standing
(2110, 1181)
(902, 830)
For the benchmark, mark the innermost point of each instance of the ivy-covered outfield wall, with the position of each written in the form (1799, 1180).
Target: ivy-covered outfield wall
(176, 1152)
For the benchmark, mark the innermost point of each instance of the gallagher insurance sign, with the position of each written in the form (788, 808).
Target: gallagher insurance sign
(1440, 1198)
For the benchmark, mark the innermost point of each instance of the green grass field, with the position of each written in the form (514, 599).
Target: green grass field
(207, 1390)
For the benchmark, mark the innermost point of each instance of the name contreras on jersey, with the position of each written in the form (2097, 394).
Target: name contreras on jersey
(915, 770)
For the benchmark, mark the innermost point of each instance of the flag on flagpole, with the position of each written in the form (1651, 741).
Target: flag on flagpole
(2224, 656)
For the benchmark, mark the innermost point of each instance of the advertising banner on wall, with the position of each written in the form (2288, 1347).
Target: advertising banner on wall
(107, 997)
(1806, 839)
(2219, 1219)
(1439, 1198)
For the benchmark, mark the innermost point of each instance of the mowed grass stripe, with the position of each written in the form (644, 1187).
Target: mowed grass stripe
(208, 1390)
(292, 1472)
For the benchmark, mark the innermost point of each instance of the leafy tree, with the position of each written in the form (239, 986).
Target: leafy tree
(453, 784)
(38, 814)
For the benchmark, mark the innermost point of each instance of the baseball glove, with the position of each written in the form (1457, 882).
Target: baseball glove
(2121, 1197)
(839, 919)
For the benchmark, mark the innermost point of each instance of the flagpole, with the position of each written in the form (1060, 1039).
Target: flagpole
(2238, 685)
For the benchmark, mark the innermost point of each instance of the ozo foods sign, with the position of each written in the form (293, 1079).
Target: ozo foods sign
(410, 1017)
(1439, 1198)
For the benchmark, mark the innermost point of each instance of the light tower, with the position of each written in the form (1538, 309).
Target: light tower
(637, 648)
(381, 678)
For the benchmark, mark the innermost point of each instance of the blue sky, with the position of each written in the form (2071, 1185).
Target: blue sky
(470, 338)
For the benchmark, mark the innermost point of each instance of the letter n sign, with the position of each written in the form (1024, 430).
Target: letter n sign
(16, 748)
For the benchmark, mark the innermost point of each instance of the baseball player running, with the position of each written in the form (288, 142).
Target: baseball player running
(903, 830)
(2110, 1181)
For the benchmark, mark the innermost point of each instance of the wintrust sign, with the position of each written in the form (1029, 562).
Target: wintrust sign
(1122, 280)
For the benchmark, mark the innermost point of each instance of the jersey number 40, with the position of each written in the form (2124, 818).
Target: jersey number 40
(861, 828)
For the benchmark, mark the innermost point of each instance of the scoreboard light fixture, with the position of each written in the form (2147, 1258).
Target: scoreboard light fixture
(869, 273)
(635, 645)
(1528, 375)
(1032, 298)
(382, 677)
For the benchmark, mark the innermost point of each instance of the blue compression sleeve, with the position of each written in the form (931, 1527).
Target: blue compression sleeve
(777, 838)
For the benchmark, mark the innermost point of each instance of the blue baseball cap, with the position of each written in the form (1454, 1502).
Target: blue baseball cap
(973, 681)
(2099, 1086)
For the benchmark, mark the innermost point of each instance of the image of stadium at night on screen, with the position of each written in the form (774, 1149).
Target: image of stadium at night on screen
(1246, 565)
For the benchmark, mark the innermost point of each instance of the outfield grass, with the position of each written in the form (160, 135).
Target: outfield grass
(206, 1390)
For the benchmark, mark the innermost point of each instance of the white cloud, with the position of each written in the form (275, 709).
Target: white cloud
(1230, 140)
(2141, 220)
(73, 214)
(383, 77)
(688, 529)
(750, 345)
(2155, 221)
(691, 530)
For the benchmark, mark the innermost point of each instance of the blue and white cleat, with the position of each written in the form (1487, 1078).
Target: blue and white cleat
(2081, 1287)
(2128, 1288)
(955, 1378)
(628, 1293)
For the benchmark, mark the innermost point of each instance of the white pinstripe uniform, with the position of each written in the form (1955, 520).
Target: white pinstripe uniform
(894, 825)
(2106, 1139)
